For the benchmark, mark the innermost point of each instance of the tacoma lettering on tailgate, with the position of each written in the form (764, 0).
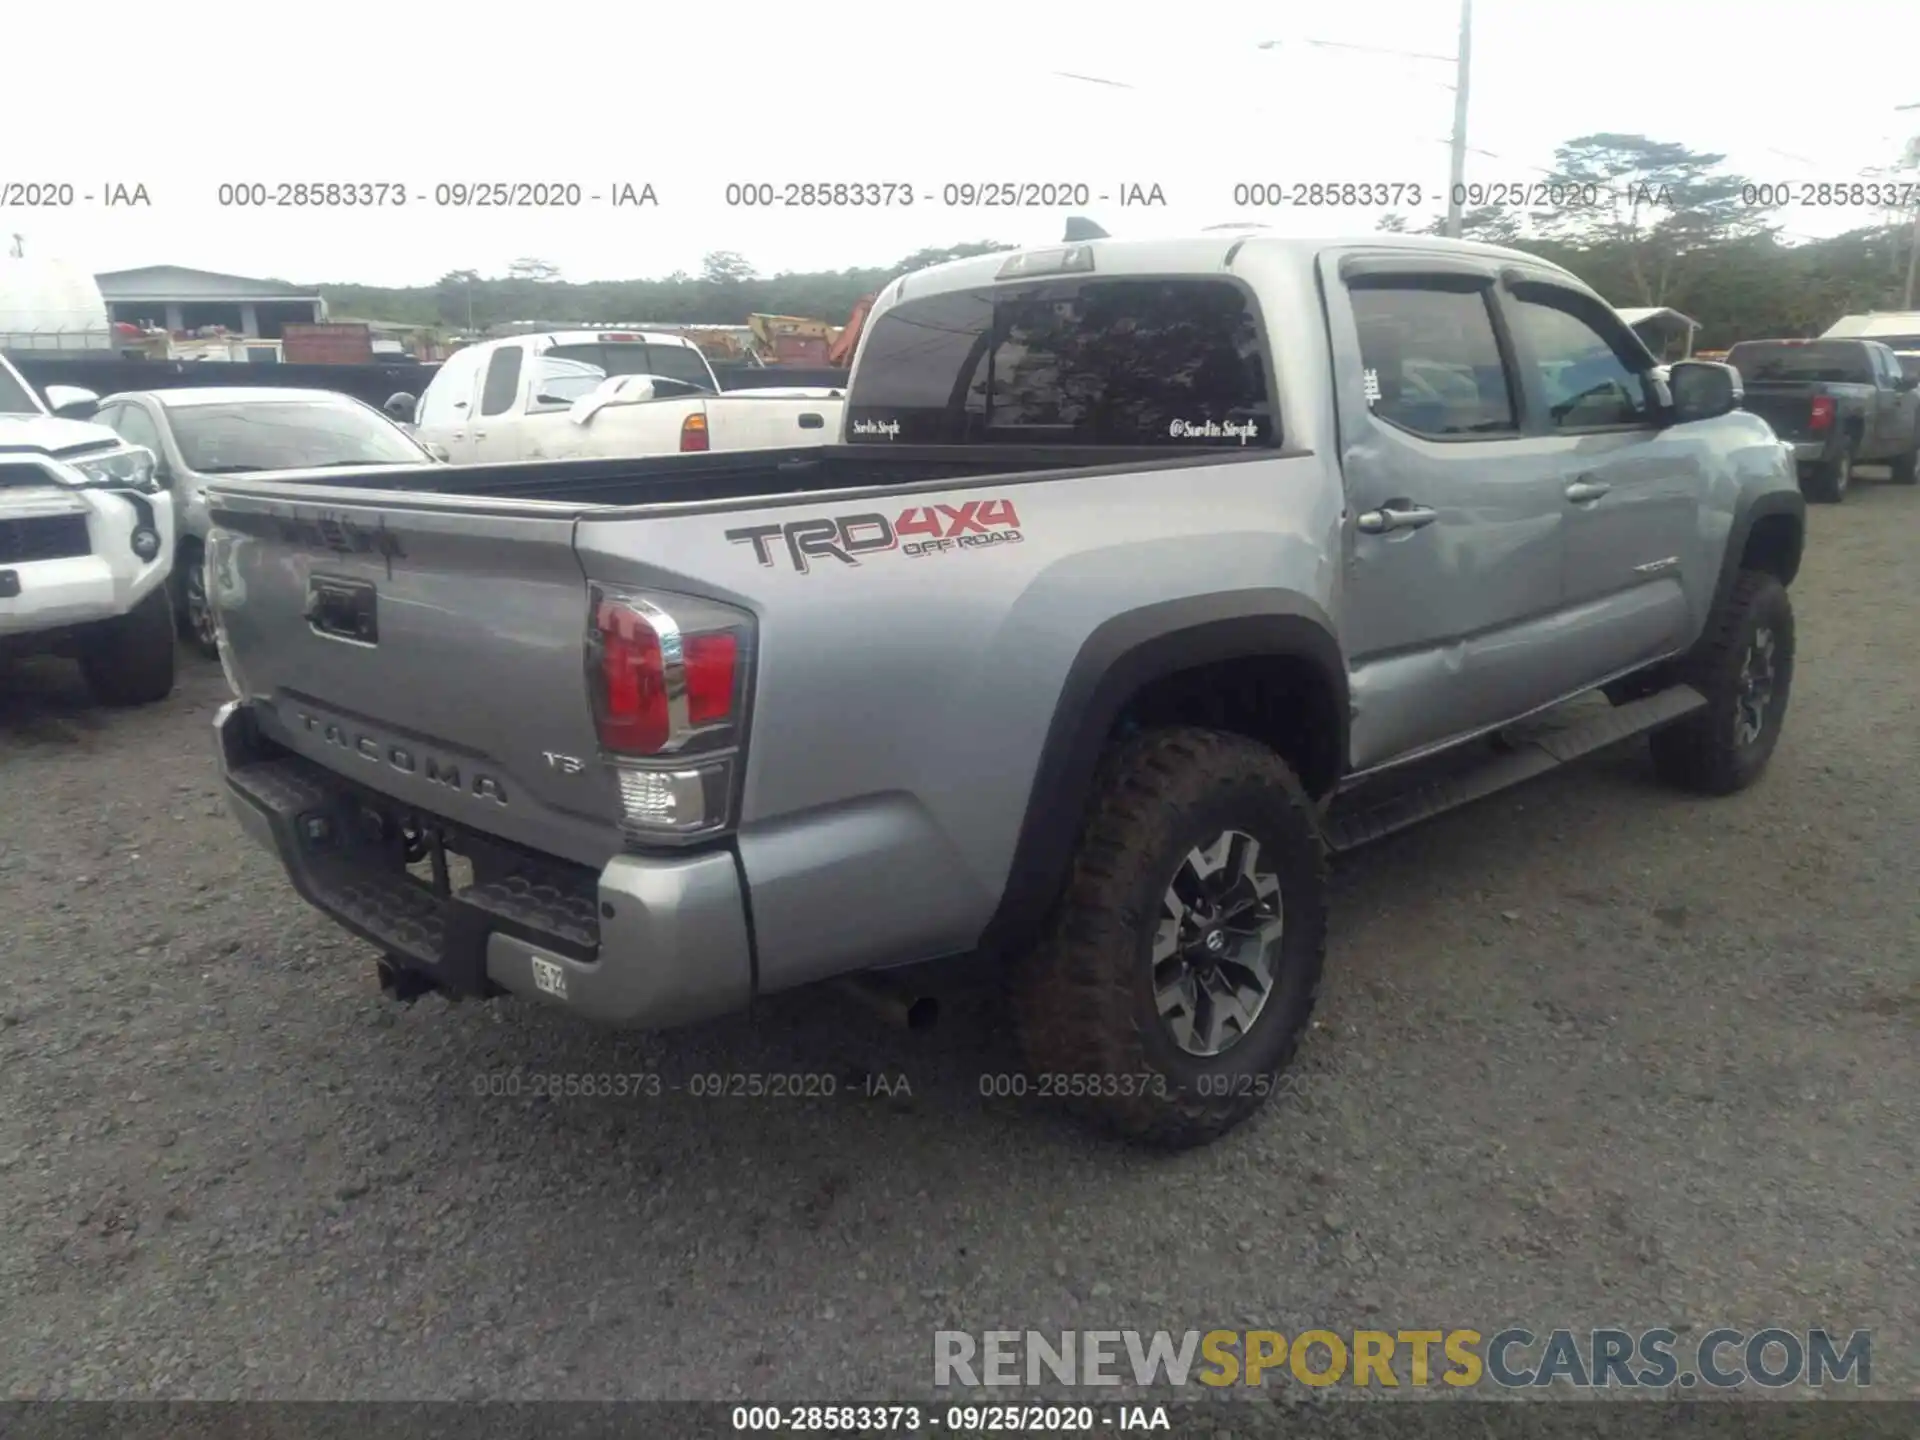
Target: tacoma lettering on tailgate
(948, 529)
(382, 751)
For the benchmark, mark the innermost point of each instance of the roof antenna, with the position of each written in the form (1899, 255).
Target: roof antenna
(1080, 228)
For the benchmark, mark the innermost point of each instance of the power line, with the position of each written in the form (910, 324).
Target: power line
(1369, 49)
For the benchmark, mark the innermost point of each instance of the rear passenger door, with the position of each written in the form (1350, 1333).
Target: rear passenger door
(496, 432)
(1632, 486)
(1454, 544)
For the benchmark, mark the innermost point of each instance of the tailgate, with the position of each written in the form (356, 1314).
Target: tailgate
(759, 420)
(1787, 408)
(429, 647)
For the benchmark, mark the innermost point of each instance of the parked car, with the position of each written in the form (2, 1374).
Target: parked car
(1140, 581)
(196, 434)
(588, 393)
(1839, 403)
(86, 539)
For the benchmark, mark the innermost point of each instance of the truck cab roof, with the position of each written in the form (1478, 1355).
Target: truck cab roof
(1199, 254)
(613, 334)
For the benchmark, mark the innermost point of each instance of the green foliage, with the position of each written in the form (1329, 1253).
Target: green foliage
(1666, 225)
(1672, 227)
(724, 293)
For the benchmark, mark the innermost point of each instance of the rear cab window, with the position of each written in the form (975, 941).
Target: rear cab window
(1119, 361)
(1802, 362)
(684, 363)
(502, 385)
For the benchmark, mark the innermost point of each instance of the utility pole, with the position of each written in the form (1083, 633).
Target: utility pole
(1457, 171)
(1913, 258)
(1913, 245)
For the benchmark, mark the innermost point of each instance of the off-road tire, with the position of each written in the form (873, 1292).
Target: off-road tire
(1828, 482)
(129, 660)
(1702, 753)
(1083, 999)
(1906, 468)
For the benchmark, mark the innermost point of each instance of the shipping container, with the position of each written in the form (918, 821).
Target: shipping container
(326, 344)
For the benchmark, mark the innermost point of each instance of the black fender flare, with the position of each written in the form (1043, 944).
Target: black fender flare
(1772, 502)
(1121, 657)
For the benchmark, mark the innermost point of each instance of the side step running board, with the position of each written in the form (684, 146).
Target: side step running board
(1531, 754)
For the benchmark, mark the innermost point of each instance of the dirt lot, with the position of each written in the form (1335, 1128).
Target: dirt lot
(1589, 1054)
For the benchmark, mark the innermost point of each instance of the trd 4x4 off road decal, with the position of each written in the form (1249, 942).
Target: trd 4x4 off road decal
(948, 529)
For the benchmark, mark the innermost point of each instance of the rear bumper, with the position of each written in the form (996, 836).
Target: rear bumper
(648, 942)
(1811, 452)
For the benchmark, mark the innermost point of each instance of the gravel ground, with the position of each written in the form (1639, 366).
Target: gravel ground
(1589, 1054)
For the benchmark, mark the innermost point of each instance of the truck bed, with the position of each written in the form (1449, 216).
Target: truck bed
(724, 476)
(425, 630)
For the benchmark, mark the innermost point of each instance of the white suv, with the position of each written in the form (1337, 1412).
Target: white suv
(86, 542)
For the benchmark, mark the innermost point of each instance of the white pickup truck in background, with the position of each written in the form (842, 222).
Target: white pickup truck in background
(575, 394)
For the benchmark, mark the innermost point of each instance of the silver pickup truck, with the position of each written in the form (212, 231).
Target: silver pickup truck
(1145, 575)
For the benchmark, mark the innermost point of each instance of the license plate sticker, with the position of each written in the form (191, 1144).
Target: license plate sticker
(549, 977)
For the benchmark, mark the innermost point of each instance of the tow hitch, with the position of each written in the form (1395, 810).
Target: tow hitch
(400, 984)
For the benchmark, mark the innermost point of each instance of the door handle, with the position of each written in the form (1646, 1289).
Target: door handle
(479, 434)
(1582, 492)
(1395, 515)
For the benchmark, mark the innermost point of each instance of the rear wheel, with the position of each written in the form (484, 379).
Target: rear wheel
(1744, 666)
(1182, 965)
(1828, 482)
(129, 660)
(1906, 468)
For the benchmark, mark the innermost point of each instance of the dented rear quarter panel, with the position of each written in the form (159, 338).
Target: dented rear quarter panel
(901, 703)
(901, 699)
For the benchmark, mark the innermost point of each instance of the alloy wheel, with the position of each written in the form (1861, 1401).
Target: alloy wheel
(1217, 944)
(1758, 674)
(199, 609)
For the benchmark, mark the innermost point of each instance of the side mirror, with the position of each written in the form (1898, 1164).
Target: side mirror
(400, 406)
(1703, 390)
(438, 452)
(1904, 381)
(73, 401)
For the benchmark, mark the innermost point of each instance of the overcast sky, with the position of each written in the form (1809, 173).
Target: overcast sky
(597, 94)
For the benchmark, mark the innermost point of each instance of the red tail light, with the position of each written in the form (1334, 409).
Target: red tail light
(668, 678)
(693, 434)
(1821, 417)
(711, 660)
(661, 680)
(633, 713)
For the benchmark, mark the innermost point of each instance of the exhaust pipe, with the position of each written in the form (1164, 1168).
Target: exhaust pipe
(900, 1006)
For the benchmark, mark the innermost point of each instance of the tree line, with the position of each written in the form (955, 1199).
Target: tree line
(1643, 221)
(725, 292)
